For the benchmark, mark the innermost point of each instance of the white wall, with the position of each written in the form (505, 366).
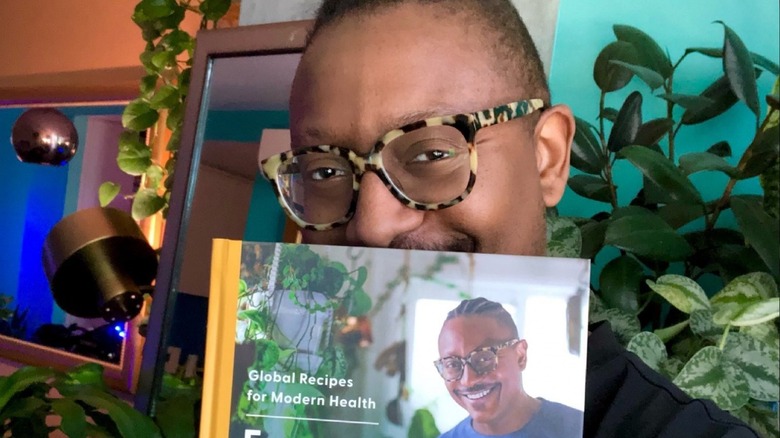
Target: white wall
(539, 16)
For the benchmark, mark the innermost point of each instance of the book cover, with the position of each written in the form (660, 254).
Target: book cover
(326, 341)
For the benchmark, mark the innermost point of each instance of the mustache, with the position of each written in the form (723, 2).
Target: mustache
(476, 388)
(453, 244)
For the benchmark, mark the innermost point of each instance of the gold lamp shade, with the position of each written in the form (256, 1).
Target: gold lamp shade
(97, 261)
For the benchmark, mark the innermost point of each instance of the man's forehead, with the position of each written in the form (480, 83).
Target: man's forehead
(354, 85)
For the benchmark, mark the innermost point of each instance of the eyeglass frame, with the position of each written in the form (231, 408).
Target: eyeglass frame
(438, 363)
(468, 125)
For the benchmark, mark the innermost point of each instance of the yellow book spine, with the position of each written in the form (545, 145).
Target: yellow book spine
(220, 338)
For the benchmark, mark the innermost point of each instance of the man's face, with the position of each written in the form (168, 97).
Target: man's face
(490, 399)
(363, 77)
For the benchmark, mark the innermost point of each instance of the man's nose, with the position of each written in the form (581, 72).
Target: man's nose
(379, 216)
(469, 376)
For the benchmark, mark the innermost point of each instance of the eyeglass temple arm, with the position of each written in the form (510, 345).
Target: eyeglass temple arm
(507, 112)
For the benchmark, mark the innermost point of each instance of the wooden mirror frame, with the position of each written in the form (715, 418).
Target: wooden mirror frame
(255, 40)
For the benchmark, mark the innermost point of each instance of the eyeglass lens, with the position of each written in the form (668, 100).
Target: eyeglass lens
(430, 165)
(482, 362)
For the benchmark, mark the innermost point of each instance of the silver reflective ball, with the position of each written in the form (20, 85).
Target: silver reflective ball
(44, 136)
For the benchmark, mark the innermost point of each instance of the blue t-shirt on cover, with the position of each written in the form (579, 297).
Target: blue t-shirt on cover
(552, 420)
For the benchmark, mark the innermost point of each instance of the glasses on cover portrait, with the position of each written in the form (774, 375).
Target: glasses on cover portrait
(482, 361)
(427, 165)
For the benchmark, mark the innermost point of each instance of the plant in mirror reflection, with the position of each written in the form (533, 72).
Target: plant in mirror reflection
(167, 59)
(694, 297)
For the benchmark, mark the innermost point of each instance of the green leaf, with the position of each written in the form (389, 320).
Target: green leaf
(107, 192)
(163, 59)
(131, 140)
(653, 131)
(146, 203)
(213, 10)
(134, 161)
(619, 283)
(20, 380)
(592, 238)
(738, 67)
(649, 52)
(648, 76)
(146, 60)
(586, 153)
(591, 187)
(148, 85)
(359, 303)
(87, 374)
(744, 290)
(647, 236)
(759, 363)
(757, 59)
(703, 325)
(74, 421)
(704, 161)
(175, 116)
(708, 375)
(765, 332)
(176, 417)
(762, 153)
(177, 41)
(609, 114)
(757, 312)
(662, 172)
(423, 425)
(563, 237)
(152, 9)
(677, 214)
(761, 231)
(763, 420)
(154, 176)
(609, 76)
(138, 115)
(681, 292)
(671, 367)
(688, 101)
(627, 123)
(667, 333)
(721, 97)
(129, 422)
(721, 149)
(165, 97)
(649, 347)
(624, 325)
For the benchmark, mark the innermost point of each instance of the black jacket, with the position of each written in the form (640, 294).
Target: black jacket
(626, 398)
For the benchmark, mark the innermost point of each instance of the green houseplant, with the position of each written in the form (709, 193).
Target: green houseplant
(692, 295)
(293, 303)
(167, 59)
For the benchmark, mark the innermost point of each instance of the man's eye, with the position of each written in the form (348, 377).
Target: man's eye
(433, 155)
(324, 173)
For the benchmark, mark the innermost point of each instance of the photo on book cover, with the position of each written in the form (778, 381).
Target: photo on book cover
(362, 342)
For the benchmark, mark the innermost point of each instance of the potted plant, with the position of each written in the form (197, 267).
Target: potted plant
(692, 295)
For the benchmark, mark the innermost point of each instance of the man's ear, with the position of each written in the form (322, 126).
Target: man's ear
(521, 348)
(553, 136)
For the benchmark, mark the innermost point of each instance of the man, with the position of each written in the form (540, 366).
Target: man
(461, 78)
(481, 363)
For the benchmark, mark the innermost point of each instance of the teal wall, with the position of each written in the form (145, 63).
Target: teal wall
(585, 27)
(266, 219)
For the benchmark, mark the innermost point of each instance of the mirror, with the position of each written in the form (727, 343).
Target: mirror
(239, 96)
(33, 329)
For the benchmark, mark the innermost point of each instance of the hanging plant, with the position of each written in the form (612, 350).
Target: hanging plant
(167, 60)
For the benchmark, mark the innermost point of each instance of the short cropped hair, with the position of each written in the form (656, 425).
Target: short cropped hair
(505, 34)
(484, 307)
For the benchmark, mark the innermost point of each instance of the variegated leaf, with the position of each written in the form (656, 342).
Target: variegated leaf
(740, 292)
(671, 367)
(765, 332)
(758, 362)
(681, 292)
(703, 325)
(707, 375)
(759, 312)
(668, 333)
(762, 420)
(625, 325)
(563, 237)
(649, 347)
